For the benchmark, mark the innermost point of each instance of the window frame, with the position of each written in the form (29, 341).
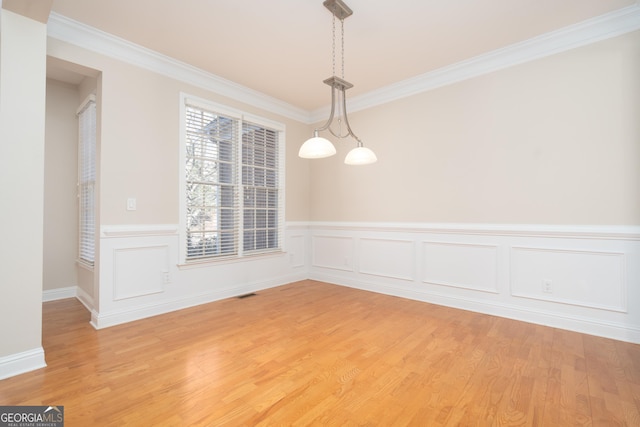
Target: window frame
(240, 117)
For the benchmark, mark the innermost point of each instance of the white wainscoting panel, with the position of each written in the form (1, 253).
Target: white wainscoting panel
(499, 269)
(334, 252)
(496, 269)
(139, 271)
(388, 258)
(585, 278)
(296, 249)
(461, 265)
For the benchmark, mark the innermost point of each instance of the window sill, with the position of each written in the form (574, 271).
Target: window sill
(210, 262)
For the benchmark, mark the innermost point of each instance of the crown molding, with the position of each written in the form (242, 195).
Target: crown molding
(590, 31)
(603, 27)
(67, 30)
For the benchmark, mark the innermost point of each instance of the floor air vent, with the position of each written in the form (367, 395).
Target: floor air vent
(247, 295)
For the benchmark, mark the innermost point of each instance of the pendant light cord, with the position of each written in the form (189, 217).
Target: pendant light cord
(342, 40)
(333, 47)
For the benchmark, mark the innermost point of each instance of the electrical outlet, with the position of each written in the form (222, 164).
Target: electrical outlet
(166, 277)
(547, 286)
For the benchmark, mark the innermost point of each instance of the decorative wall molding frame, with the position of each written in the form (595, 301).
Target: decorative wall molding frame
(588, 278)
(590, 31)
(140, 271)
(477, 265)
(335, 252)
(140, 275)
(375, 259)
(497, 269)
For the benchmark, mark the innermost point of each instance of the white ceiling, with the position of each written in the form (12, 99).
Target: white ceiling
(282, 48)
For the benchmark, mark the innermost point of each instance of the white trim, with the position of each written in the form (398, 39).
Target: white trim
(84, 298)
(590, 31)
(138, 230)
(626, 232)
(19, 363)
(60, 293)
(582, 314)
(596, 29)
(90, 98)
(67, 30)
(234, 259)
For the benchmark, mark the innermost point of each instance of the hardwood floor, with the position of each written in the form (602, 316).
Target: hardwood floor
(311, 353)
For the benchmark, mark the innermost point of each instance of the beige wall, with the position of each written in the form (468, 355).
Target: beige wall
(553, 141)
(60, 186)
(22, 128)
(139, 141)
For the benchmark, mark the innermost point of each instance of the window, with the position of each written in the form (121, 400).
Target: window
(87, 180)
(233, 175)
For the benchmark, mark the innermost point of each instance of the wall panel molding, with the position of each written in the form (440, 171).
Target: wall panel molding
(139, 275)
(391, 258)
(140, 271)
(578, 277)
(335, 252)
(496, 269)
(296, 247)
(462, 265)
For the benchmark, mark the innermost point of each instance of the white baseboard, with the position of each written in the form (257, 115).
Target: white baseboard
(19, 363)
(84, 298)
(60, 293)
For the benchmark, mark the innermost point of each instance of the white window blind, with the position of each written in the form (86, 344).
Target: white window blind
(211, 174)
(233, 184)
(87, 180)
(260, 188)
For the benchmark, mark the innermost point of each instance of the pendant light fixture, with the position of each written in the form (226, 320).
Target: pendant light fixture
(317, 147)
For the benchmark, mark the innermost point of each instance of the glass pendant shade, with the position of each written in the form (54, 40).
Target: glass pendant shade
(316, 148)
(360, 156)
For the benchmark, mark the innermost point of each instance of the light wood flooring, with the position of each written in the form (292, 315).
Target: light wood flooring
(310, 353)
